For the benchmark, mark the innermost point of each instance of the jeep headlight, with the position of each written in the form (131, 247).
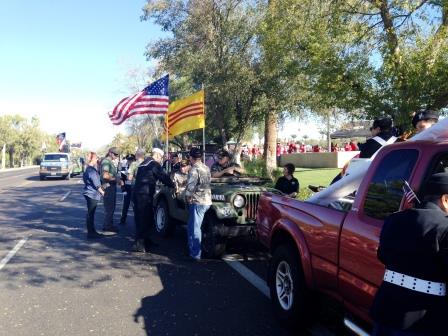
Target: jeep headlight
(239, 201)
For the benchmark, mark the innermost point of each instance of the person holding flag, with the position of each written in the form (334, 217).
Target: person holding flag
(414, 249)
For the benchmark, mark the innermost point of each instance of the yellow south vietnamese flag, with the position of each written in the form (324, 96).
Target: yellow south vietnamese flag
(185, 114)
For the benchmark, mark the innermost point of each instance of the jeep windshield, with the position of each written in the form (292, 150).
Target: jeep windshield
(55, 157)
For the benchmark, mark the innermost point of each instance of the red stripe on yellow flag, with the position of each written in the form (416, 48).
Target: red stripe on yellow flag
(186, 114)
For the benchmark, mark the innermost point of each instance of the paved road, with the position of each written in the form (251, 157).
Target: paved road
(59, 283)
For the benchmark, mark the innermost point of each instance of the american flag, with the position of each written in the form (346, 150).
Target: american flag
(409, 194)
(154, 100)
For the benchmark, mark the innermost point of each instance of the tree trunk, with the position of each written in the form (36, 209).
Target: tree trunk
(11, 157)
(270, 141)
(328, 132)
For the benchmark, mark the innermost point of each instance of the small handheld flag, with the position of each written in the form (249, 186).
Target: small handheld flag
(409, 194)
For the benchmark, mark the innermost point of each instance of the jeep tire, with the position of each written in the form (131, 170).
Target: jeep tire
(287, 287)
(164, 224)
(213, 245)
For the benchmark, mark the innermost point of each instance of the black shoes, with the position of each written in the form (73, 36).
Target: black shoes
(110, 229)
(94, 235)
(138, 246)
(143, 245)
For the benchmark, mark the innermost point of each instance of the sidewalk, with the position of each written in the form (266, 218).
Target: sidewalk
(19, 168)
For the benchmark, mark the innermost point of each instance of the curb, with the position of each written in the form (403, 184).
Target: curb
(20, 168)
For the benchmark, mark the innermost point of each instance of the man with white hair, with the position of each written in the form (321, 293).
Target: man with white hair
(148, 173)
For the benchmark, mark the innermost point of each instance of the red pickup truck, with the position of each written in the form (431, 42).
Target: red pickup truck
(331, 248)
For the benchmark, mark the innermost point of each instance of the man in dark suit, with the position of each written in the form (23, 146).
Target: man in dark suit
(414, 249)
(148, 173)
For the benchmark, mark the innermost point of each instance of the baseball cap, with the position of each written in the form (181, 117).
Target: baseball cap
(437, 184)
(114, 150)
(223, 153)
(383, 123)
(424, 115)
(195, 153)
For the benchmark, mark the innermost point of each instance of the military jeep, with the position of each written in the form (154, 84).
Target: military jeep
(233, 211)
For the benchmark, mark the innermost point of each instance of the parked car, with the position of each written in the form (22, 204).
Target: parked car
(77, 167)
(332, 248)
(232, 214)
(56, 165)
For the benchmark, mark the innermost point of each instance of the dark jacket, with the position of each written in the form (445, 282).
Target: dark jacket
(148, 173)
(371, 146)
(413, 242)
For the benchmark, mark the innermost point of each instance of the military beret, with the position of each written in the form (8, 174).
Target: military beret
(195, 153)
(437, 184)
(384, 123)
(424, 115)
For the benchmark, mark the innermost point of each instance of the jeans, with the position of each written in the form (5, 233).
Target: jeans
(196, 214)
(90, 218)
(126, 203)
(109, 200)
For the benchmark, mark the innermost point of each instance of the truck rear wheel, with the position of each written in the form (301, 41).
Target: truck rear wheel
(164, 223)
(212, 245)
(287, 287)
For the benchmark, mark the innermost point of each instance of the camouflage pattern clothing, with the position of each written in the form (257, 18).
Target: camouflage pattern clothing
(216, 167)
(132, 170)
(198, 184)
(180, 181)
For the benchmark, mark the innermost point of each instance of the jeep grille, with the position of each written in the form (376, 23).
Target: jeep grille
(252, 205)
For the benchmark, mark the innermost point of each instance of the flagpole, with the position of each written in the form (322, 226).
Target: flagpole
(167, 136)
(203, 129)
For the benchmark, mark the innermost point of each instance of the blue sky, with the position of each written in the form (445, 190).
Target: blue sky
(68, 62)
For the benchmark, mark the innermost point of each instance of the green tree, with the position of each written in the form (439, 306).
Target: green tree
(212, 43)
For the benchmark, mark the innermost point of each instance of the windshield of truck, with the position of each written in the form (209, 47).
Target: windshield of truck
(55, 157)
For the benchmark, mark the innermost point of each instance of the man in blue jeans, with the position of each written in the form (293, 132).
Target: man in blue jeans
(199, 197)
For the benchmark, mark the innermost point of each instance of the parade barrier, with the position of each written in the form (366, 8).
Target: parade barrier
(318, 160)
(355, 174)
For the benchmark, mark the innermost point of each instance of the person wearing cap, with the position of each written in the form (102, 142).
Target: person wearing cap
(180, 178)
(148, 173)
(424, 119)
(110, 177)
(413, 247)
(224, 167)
(175, 162)
(382, 135)
(199, 197)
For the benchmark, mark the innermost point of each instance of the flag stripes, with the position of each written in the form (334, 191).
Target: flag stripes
(153, 100)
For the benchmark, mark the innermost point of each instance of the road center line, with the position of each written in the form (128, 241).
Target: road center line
(250, 276)
(65, 196)
(11, 253)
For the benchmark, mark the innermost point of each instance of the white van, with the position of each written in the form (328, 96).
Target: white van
(56, 165)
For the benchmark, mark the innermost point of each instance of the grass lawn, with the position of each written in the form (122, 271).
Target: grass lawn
(314, 176)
